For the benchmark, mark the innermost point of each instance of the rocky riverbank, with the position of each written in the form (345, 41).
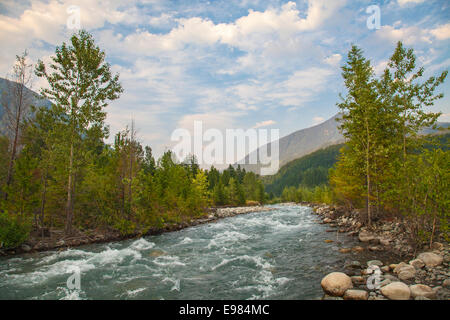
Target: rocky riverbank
(56, 240)
(420, 275)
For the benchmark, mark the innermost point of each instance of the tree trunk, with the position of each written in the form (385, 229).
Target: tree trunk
(369, 214)
(69, 212)
(16, 137)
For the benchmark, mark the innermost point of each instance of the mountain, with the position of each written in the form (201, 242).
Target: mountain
(6, 96)
(306, 141)
(300, 143)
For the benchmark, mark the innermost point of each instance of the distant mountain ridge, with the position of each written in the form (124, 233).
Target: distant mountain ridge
(301, 143)
(306, 141)
(5, 95)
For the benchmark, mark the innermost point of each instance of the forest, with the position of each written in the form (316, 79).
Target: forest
(57, 172)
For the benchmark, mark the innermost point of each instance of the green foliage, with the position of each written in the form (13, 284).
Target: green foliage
(80, 85)
(309, 171)
(13, 230)
(386, 165)
(318, 194)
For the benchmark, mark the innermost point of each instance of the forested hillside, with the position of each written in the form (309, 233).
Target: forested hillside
(308, 171)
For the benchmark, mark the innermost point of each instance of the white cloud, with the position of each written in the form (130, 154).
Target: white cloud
(317, 120)
(445, 117)
(264, 124)
(409, 35)
(334, 59)
(414, 34)
(441, 32)
(403, 3)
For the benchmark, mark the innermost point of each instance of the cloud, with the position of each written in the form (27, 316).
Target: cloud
(414, 34)
(445, 117)
(264, 124)
(409, 35)
(441, 32)
(248, 33)
(403, 3)
(317, 120)
(334, 59)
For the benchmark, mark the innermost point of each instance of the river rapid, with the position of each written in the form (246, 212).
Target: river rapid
(278, 254)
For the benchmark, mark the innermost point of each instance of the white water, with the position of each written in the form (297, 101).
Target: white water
(279, 254)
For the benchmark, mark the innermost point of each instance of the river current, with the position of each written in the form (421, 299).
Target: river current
(279, 254)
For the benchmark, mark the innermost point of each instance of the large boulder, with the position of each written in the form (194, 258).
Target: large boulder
(336, 283)
(421, 290)
(396, 291)
(353, 294)
(430, 259)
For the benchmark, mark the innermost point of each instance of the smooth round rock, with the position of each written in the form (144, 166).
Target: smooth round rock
(431, 259)
(406, 275)
(421, 290)
(353, 294)
(396, 291)
(336, 283)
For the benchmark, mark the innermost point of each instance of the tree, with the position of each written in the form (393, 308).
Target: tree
(219, 195)
(200, 188)
(17, 100)
(80, 86)
(359, 117)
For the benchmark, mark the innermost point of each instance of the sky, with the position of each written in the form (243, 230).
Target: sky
(231, 64)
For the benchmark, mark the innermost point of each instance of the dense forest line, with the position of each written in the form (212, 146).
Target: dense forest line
(57, 172)
(308, 171)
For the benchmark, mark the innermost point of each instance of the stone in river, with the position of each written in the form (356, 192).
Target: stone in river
(396, 291)
(353, 294)
(336, 283)
(385, 268)
(421, 290)
(365, 236)
(406, 275)
(431, 259)
(377, 263)
(417, 263)
(357, 249)
(157, 253)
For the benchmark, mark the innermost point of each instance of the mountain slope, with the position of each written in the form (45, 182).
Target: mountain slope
(310, 170)
(306, 141)
(300, 143)
(6, 96)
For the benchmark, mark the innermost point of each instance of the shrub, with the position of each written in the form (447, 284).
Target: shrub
(13, 231)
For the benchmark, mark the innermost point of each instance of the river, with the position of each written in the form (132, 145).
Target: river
(279, 254)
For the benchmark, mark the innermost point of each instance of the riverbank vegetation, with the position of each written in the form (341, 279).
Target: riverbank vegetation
(386, 167)
(57, 172)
